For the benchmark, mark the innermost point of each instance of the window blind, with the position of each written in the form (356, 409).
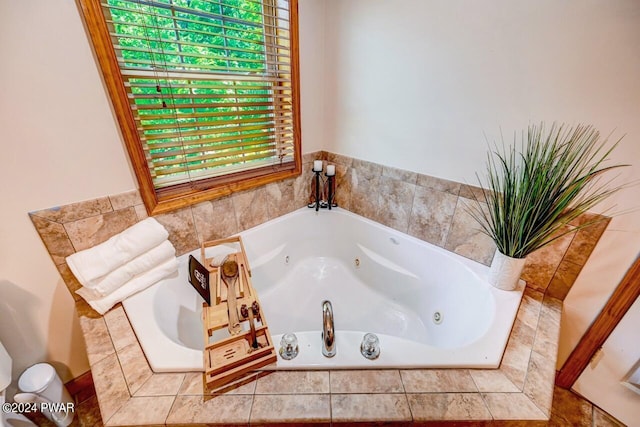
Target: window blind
(209, 83)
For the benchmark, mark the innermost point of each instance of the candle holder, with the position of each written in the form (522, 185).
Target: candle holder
(317, 203)
(324, 188)
(331, 191)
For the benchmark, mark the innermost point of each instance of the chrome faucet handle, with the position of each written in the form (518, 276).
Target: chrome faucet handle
(370, 346)
(289, 346)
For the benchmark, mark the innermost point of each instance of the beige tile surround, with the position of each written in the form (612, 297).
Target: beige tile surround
(518, 393)
(429, 208)
(433, 209)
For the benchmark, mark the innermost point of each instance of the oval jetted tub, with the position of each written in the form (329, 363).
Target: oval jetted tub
(429, 307)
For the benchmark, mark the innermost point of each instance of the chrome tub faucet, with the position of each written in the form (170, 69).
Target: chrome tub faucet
(328, 333)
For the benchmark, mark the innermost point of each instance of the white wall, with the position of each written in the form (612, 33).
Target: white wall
(417, 83)
(59, 145)
(312, 74)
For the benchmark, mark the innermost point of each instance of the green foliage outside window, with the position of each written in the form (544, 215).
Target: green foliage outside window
(202, 81)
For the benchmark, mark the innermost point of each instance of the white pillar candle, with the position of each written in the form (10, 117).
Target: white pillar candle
(317, 165)
(331, 170)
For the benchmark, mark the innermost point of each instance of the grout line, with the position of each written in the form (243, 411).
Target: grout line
(446, 239)
(111, 203)
(113, 344)
(66, 232)
(459, 189)
(524, 385)
(406, 399)
(184, 378)
(348, 174)
(173, 402)
(330, 402)
(473, 381)
(404, 390)
(124, 377)
(484, 401)
(410, 210)
(104, 422)
(263, 189)
(411, 213)
(555, 270)
(544, 411)
(253, 398)
(199, 235)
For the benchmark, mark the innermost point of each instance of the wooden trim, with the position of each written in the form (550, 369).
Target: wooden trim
(614, 310)
(295, 83)
(103, 48)
(158, 201)
(182, 196)
(81, 388)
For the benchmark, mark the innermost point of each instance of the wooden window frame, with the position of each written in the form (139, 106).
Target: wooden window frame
(182, 195)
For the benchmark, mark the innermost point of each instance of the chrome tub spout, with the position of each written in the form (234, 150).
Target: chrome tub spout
(328, 333)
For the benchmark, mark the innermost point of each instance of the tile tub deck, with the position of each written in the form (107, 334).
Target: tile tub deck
(518, 393)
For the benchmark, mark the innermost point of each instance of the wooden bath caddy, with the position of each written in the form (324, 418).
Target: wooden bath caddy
(234, 305)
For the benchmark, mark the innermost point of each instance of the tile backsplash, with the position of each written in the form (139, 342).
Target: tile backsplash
(426, 207)
(433, 209)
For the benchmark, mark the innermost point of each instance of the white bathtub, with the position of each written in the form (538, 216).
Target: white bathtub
(377, 279)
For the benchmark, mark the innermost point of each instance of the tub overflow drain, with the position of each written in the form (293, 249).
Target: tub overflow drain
(286, 259)
(357, 262)
(437, 318)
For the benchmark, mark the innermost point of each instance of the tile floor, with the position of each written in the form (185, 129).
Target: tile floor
(87, 414)
(568, 410)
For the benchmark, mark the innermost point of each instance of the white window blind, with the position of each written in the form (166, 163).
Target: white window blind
(209, 83)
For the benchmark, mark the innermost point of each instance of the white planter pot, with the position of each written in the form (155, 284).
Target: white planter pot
(505, 271)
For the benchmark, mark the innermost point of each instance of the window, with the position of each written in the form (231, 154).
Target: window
(205, 91)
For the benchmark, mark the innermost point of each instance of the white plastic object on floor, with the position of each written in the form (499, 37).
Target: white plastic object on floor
(41, 384)
(15, 420)
(632, 379)
(5, 368)
(9, 419)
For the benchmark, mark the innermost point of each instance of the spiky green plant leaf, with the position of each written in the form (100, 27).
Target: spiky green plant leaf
(533, 191)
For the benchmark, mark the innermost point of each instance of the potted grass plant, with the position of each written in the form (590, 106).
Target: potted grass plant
(534, 190)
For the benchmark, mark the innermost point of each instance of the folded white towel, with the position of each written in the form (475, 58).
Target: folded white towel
(135, 285)
(121, 275)
(95, 262)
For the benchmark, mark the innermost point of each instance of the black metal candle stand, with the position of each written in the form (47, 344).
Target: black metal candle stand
(323, 204)
(331, 196)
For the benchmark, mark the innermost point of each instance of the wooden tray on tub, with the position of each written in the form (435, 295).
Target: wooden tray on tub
(235, 306)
